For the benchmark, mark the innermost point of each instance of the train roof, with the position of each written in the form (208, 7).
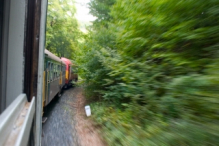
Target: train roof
(67, 61)
(52, 56)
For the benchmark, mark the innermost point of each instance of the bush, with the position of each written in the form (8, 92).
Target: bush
(153, 66)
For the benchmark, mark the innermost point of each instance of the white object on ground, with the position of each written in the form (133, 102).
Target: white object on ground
(87, 110)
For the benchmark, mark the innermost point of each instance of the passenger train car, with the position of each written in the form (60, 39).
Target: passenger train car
(30, 76)
(58, 74)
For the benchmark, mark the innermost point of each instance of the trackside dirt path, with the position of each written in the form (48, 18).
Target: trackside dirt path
(87, 133)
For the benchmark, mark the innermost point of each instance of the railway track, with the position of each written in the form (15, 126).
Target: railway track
(59, 129)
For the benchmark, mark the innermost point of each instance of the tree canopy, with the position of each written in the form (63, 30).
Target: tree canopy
(62, 28)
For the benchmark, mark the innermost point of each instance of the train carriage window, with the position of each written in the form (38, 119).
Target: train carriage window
(48, 66)
(48, 69)
(58, 71)
(54, 72)
(51, 72)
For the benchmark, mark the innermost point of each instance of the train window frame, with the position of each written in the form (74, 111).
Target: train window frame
(56, 70)
(54, 75)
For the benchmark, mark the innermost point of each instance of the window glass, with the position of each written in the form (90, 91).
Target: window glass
(55, 72)
(48, 69)
(48, 66)
(51, 72)
(58, 70)
(63, 69)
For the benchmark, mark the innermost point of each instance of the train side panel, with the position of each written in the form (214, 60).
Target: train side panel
(53, 79)
(54, 76)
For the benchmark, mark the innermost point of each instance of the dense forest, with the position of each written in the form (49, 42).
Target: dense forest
(150, 70)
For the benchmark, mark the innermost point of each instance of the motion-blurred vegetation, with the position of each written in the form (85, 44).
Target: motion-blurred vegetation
(152, 68)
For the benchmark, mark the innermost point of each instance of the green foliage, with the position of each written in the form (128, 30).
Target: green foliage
(121, 128)
(62, 28)
(154, 63)
(101, 10)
